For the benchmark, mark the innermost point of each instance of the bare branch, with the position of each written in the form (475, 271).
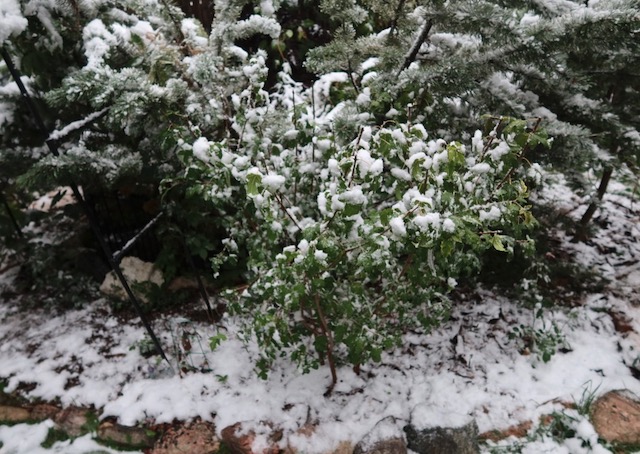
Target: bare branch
(413, 53)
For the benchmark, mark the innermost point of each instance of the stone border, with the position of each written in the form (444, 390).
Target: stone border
(615, 416)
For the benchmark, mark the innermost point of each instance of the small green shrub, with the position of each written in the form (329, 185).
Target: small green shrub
(544, 341)
(350, 245)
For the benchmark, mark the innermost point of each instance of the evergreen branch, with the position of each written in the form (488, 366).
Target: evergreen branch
(396, 16)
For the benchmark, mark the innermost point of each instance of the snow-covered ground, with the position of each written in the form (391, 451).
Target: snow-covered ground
(470, 367)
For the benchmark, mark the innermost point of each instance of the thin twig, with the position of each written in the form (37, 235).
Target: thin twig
(413, 53)
(351, 79)
(286, 211)
(355, 157)
(330, 344)
(396, 16)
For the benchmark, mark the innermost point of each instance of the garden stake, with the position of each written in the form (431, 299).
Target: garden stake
(11, 216)
(201, 287)
(86, 208)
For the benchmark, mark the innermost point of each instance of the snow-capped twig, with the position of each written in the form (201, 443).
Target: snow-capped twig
(117, 256)
(75, 125)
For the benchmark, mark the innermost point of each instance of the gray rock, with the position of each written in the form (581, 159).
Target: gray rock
(135, 271)
(385, 438)
(132, 437)
(443, 440)
(75, 421)
(195, 438)
(389, 446)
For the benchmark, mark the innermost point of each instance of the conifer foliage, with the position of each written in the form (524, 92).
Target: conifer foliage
(338, 151)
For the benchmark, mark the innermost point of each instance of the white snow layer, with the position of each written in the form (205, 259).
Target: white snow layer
(428, 380)
(12, 22)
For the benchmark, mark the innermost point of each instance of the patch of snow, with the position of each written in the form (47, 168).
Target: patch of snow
(482, 376)
(201, 149)
(27, 439)
(273, 182)
(12, 22)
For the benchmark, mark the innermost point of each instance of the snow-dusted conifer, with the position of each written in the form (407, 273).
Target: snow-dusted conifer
(573, 63)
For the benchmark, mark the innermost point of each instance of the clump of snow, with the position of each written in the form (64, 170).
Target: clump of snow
(97, 42)
(12, 22)
(257, 24)
(481, 168)
(448, 226)
(398, 227)
(75, 125)
(28, 438)
(193, 32)
(273, 182)
(201, 149)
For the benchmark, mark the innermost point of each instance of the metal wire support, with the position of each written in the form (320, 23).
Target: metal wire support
(93, 222)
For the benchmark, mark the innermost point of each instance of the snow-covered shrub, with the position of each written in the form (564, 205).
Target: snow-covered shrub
(393, 221)
(350, 216)
(131, 81)
(352, 242)
(573, 63)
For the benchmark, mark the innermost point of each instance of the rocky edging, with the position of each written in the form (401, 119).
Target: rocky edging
(615, 416)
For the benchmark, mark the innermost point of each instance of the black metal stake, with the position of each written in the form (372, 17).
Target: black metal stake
(16, 226)
(201, 287)
(93, 222)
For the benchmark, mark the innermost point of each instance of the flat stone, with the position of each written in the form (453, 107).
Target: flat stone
(73, 420)
(386, 437)
(344, 447)
(236, 442)
(443, 440)
(394, 445)
(134, 437)
(41, 412)
(196, 438)
(616, 417)
(307, 430)
(517, 431)
(239, 441)
(135, 271)
(10, 414)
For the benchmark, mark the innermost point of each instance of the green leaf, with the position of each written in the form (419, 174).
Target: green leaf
(321, 344)
(446, 247)
(456, 157)
(496, 242)
(137, 40)
(351, 209)
(215, 341)
(253, 180)
(539, 138)
(385, 215)
(515, 126)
